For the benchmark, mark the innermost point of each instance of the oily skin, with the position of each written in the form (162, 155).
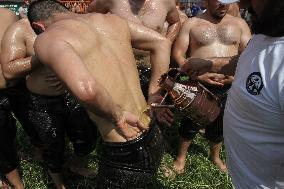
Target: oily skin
(83, 62)
(222, 65)
(212, 34)
(7, 17)
(19, 61)
(150, 13)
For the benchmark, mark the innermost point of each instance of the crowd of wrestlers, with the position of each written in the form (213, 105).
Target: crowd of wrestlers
(94, 75)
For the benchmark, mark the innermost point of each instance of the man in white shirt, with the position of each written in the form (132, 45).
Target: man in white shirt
(254, 114)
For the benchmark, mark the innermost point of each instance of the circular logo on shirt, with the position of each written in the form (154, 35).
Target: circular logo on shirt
(254, 83)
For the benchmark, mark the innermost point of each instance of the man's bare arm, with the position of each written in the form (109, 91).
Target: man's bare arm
(5, 21)
(245, 36)
(224, 65)
(61, 57)
(70, 69)
(181, 44)
(15, 62)
(160, 49)
(173, 21)
(99, 6)
(11, 17)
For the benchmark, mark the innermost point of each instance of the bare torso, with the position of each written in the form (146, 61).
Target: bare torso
(106, 51)
(7, 17)
(214, 40)
(150, 13)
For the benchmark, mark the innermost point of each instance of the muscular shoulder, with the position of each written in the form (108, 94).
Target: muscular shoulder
(109, 19)
(49, 42)
(7, 17)
(57, 32)
(17, 30)
(191, 22)
(7, 12)
(23, 25)
(99, 16)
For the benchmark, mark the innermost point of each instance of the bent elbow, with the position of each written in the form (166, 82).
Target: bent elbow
(86, 94)
(11, 70)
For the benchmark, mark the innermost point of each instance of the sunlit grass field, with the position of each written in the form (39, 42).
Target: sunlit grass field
(200, 172)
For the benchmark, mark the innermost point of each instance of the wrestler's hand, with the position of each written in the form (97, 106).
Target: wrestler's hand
(228, 80)
(194, 67)
(215, 79)
(212, 79)
(129, 125)
(163, 115)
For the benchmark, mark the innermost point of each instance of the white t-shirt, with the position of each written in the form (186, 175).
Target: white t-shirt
(254, 116)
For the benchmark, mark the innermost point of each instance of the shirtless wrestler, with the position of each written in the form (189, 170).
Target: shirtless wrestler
(8, 157)
(152, 14)
(211, 34)
(99, 69)
(7, 18)
(17, 92)
(45, 106)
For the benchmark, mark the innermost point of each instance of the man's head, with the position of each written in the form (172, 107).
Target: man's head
(217, 9)
(40, 11)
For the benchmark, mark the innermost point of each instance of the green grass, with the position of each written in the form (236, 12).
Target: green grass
(200, 172)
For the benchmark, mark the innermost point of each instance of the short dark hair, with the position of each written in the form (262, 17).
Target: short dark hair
(271, 21)
(43, 9)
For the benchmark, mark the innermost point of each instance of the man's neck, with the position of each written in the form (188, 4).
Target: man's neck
(213, 19)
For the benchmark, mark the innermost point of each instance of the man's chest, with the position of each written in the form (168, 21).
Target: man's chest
(208, 33)
(151, 14)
